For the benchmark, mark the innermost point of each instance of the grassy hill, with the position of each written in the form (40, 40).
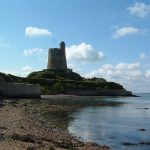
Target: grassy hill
(60, 75)
(52, 82)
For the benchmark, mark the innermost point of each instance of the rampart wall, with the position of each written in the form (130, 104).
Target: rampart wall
(99, 92)
(19, 90)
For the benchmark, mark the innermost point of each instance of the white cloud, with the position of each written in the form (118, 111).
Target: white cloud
(26, 70)
(147, 73)
(124, 31)
(133, 66)
(139, 9)
(22, 72)
(108, 67)
(123, 73)
(83, 53)
(30, 52)
(75, 68)
(131, 75)
(8, 71)
(142, 56)
(36, 32)
(121, 66)
(121, 70)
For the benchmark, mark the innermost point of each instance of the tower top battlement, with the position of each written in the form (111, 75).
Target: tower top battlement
(62, 45)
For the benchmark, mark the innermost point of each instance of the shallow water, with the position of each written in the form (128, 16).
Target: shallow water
(114, 125)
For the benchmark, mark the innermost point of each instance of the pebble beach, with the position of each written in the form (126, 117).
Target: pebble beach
(21, 128)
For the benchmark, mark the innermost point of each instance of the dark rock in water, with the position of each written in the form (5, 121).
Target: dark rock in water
(145, 143)
(135, 95)
(146, 108)
(95, 146)
(132, 144)
(143, 108)
(141, 129)
(128, 143)
(91, 144)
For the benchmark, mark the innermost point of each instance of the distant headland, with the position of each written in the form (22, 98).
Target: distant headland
(58, 79)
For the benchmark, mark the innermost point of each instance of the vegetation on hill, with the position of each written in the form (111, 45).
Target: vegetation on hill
(59, 82)
(49, 74)
(10, 78)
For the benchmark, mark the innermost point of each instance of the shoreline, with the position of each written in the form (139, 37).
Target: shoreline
(22, 127)
(67, 96)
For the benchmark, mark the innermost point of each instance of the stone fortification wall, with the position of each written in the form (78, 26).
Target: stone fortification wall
(57, 58)
(19, 90)
(99, 92)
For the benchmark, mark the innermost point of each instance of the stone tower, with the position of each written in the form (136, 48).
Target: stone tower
(57, 58)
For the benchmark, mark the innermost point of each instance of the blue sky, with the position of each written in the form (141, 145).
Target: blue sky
(104, 38)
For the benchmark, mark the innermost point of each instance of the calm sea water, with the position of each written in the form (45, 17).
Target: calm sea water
(114, 125)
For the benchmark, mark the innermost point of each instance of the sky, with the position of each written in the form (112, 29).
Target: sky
(104, 38)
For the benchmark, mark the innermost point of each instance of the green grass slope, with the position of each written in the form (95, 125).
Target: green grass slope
(52, 82)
